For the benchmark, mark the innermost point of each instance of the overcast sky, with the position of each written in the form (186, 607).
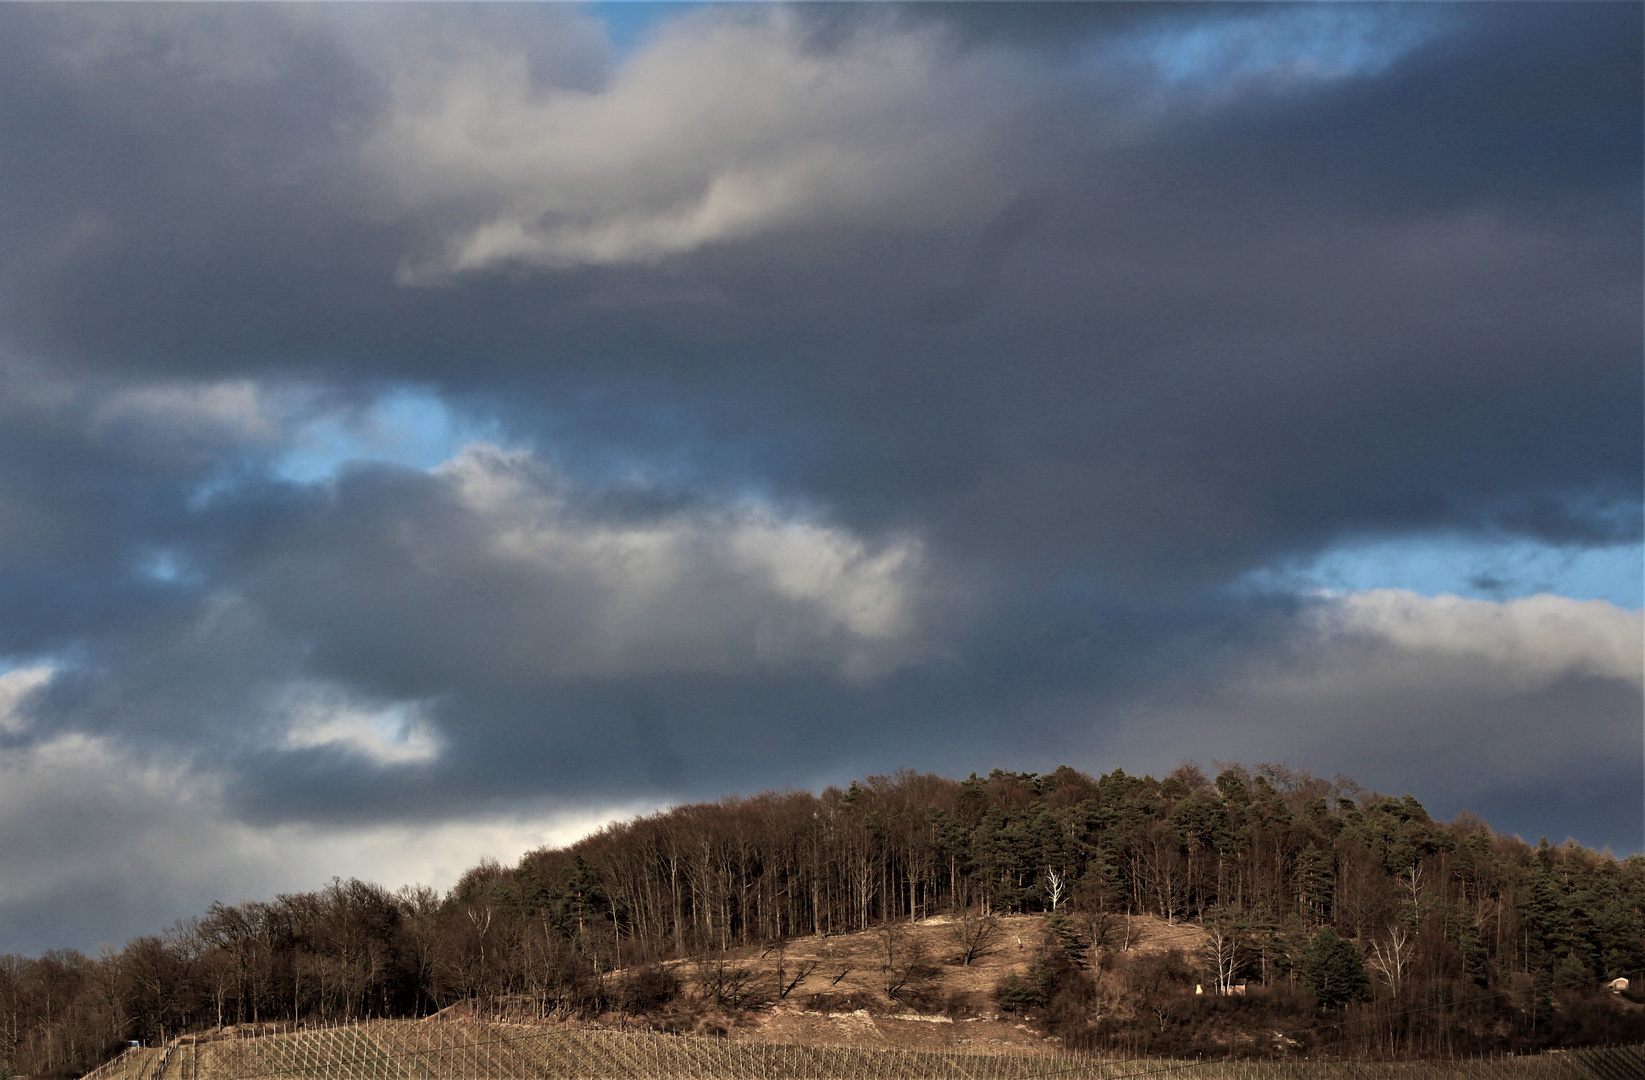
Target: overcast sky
(429, 432)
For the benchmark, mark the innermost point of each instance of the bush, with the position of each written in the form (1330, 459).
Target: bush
(1052, 979)
(1022, 993)
(647, 989)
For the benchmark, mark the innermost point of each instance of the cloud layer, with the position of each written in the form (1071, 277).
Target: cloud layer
(1471, 698)
(726, 129)
(435, 428)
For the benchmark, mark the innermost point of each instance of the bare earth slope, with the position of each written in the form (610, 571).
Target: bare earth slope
(842, 998)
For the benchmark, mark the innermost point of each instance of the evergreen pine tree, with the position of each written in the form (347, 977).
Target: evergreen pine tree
(1316, 883)
(1476, 964)
(1333, 970)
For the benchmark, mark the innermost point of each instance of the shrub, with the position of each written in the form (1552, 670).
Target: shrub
(1022, 993)
(647, 989)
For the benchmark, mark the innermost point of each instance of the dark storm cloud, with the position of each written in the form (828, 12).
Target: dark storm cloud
(88, 492)
(185, 191)
(885, 387)
(1236, 332)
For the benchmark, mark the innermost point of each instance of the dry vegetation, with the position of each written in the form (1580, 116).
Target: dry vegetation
(927, 985)
(909, 1002)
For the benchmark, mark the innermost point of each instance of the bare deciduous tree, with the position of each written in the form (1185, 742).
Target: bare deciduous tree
(1055, 889)
(974, 933)
(906, 966)
(1391, 953)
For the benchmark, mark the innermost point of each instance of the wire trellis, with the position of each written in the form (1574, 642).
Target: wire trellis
(462, 1050)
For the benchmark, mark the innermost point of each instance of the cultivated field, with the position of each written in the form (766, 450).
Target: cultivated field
(442, 1050)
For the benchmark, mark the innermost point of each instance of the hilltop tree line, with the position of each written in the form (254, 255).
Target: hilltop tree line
(1406, 934)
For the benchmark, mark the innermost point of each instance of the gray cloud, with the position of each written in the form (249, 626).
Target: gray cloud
(1479, 703)
(870, 387)
(1234, 328)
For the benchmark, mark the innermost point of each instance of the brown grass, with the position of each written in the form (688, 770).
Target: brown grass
(842, 1000)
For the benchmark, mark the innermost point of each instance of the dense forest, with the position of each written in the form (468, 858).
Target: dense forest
(1354, 921)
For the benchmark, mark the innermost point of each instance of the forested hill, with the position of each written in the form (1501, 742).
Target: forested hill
(1285, 851)
(1269, 858)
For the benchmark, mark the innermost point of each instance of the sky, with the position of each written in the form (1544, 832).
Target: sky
(428, 432)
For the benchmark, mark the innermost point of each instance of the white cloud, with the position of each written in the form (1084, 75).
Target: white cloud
(16, 686)
(157, 419)
(1531, 640)
(724, 127)
(394, 734)
(723, 589)
(236, 408)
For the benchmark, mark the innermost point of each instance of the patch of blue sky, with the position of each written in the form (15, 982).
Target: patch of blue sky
(1319, 41)
(1479, 569)
(412, 427)
(629, 22)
